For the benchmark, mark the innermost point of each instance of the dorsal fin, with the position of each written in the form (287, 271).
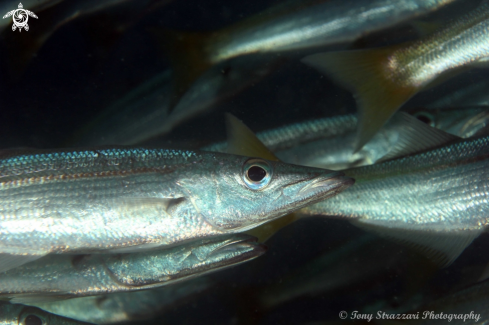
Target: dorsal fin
(242, 141)
(415, 136)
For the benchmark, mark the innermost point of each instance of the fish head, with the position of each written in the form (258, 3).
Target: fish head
(26, 315)
(237, 193)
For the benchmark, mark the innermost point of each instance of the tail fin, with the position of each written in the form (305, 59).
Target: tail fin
(365, 74)
(188, 56)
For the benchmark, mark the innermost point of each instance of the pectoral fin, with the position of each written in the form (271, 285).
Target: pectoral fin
(441, 247)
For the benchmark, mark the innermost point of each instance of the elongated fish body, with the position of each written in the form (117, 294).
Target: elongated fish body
(314, 23)
(330, 142)
(16, 314)
(384, 79)
(293, 26)
(66, 276)
(463, 122)
(467, 94)
(137, 198)
(128, 306)
(424, 196)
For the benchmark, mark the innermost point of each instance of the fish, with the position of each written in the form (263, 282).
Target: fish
(17, 314)
(128, 306)
(383, 79)
(290, 27)
(463, 122)
(63, 276)
(433, 199)
(144, 113)
(466, 93)
(330, 142)
(133, 199)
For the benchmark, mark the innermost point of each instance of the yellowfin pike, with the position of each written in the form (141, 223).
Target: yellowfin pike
(131, 199)
(292, 26)
(383, 79)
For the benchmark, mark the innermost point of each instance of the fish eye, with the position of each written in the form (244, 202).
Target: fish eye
(426, 118)
(257, 173)
(32, 320)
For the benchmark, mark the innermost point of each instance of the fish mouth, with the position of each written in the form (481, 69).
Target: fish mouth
(243, 247)
(331, 184)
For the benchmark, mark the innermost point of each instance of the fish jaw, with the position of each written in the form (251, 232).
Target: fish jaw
(227, 204)
(162, 267)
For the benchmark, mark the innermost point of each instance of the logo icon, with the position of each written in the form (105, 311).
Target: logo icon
(20, 17)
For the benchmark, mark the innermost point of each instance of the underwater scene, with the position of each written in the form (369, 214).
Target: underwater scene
(244, 162)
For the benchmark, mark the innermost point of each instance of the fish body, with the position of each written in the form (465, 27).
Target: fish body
(314, 23)
(16, 314)
(127, 199)
(127, 306)
(330, 142)
(437, 198)
(144, 113)
(65, 276)
(383, 79)
(290, 27)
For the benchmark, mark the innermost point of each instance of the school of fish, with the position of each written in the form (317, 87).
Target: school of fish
(350, 136)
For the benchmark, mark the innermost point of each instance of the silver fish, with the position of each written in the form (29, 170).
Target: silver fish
(130, 199)
(128, 306)
(467, 93)
(16, 314)
(330, 142)
(436, 199)
(291, 26)
(384, 79)
(144, 113)
(65, 276)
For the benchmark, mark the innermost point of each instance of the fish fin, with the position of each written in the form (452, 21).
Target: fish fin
(415, 136)
(442, 248)
(267, 230)
(188, 57)
(242, 141)
(363, 72)
(9, 261)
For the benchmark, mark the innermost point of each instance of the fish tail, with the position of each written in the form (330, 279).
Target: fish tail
(367, 75)
(188, 57)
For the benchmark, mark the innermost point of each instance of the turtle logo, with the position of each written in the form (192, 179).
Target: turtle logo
(20, 17)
